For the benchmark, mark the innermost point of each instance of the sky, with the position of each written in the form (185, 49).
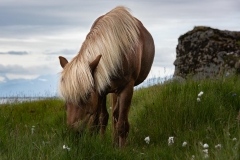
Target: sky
(34, 33)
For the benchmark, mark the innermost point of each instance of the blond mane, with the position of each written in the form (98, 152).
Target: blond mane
(111, 36)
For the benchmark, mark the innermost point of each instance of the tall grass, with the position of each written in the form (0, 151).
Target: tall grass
(160, 111)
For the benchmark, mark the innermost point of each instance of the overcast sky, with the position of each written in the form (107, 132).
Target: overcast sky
(34, 33)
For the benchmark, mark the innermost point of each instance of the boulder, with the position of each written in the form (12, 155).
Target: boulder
(207, 52)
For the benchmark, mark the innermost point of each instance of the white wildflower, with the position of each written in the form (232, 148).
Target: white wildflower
(193, 157)
(170, 141)
(198, 99)
(32, 129)
(205, 151)
(205, 145)
(184, 144)
(234, 139)
(206, 156)
(200, 94)
(218, 146)
(66, 147)
(147, 139)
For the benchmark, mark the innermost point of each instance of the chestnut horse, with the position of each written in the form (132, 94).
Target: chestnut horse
(116, 55)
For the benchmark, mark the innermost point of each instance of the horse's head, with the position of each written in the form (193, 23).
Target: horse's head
(78, 115)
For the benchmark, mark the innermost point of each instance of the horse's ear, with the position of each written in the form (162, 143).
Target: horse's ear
(63, 61)
(94, 63)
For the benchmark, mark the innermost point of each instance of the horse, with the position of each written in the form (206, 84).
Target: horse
(116, 55)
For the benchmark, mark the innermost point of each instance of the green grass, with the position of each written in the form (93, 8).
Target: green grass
(160, 111)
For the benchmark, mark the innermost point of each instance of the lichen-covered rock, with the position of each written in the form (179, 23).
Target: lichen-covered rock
(206, 52)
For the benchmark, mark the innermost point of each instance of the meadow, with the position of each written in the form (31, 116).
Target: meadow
(173, 120)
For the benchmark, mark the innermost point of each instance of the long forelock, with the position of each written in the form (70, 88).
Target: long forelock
(113, 36)
(76, 81)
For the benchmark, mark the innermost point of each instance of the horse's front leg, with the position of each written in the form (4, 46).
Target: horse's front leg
(124, 102)
(103, 118)
(98, 120)
(115, 115)
(93, 123)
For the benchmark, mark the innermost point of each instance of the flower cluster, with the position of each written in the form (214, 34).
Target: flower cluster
(204, 147)
(218, 146)
(147, 139)
(170, 141)
(184, 144)
(66, 147)
(32, 129)
(199, 95)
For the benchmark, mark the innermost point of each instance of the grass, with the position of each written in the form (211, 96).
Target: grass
(160, 111)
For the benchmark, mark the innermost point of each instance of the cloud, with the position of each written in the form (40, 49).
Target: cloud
(51, 13)
(15, 53)
(163, 57)
(67, 53)
(42, 79)
(160, 72)
(63, 52)
(2, 79)
(30, 87)
(21, 76)
(20, 72)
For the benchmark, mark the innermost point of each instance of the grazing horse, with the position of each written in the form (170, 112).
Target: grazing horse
(116, 55)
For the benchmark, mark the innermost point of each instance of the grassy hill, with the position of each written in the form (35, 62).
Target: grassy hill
(209, 126)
